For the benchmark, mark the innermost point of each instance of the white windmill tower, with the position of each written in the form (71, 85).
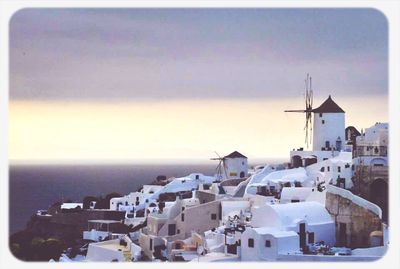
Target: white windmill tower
(328, 130)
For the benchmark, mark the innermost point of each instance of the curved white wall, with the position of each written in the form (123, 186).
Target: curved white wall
(332, 128)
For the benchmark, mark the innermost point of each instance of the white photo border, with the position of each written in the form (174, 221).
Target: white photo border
(391, 9)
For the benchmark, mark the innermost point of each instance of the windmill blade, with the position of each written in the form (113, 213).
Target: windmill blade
(309, 102)
(223, 161)
(311, 93)
(299, 110)
(219, 172)
(218, 155)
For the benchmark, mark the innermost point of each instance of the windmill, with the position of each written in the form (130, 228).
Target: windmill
(308, 96)
(221, 166)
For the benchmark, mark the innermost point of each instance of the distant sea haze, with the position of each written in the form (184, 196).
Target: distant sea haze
(34, 187)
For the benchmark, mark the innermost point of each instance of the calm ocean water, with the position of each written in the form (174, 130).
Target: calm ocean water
(37, 187)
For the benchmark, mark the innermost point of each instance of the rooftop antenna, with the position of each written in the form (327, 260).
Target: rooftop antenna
(308, 96)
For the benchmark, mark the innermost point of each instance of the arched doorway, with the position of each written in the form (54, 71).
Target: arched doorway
(379, 196)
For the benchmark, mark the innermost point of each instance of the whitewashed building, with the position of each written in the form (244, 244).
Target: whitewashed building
(372, 146)
(263, 244)
(128, 202)
(272, 182)
(337, 170)
(234, 166)
(310, 219)
(328, 135)
(328, 126)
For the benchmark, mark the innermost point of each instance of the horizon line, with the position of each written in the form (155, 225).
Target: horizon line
(145, 161)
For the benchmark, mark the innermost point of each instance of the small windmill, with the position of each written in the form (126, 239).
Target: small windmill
(221, 166)
(308, 110)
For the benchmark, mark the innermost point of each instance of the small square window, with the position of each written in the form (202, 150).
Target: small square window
(320, 115)
(250, 243)
(267, 243)
(323, 121)
(213, 216)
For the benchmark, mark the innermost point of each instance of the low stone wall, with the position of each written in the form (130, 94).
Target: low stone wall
(353, 217)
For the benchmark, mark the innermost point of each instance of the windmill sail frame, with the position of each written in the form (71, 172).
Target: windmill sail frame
(308, 98)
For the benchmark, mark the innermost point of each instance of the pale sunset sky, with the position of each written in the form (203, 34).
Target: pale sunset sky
(163, 85)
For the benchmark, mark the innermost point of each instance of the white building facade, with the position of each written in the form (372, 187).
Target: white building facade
(328, 126)
(235, 166)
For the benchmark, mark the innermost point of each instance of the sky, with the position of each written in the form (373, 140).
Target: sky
(90, 85)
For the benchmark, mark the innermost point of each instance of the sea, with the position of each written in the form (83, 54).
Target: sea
(34, 187)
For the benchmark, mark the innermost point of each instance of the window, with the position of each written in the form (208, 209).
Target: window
(327, 144)
(311, 238)
(178, 231)
(272, 188)
(328, 168)
(182, 217)
(250, 243)
(323, 121)
(338, 169)
(151, 244)
(295, 201)
(324, 159)
(322, 169)
(320, 115)
(213, 216)
(171, 229)
(267, 243)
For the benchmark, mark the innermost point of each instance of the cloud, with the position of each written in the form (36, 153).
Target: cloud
(195, 53)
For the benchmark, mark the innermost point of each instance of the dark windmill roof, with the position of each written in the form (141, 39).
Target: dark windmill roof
(235, 154)
(329, 106)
